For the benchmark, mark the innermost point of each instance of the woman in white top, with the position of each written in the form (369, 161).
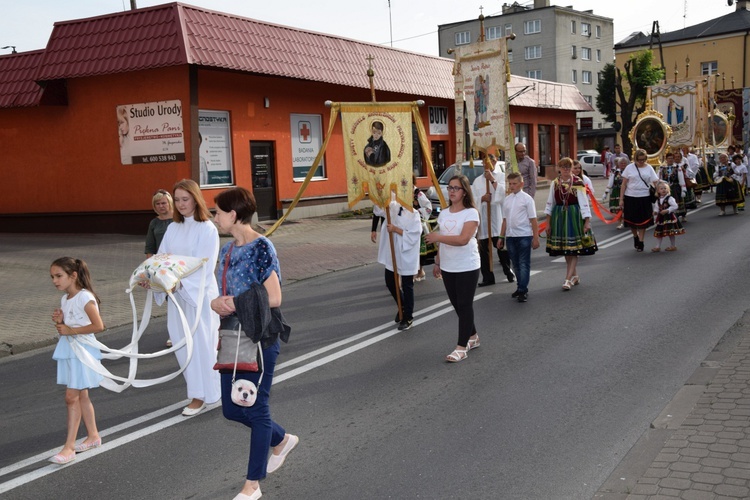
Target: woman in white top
(193, 234)
(635, 199)
(457, 261)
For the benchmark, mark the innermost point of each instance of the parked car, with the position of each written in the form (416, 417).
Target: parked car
(592, 165)
(582, 152)
(466, 169)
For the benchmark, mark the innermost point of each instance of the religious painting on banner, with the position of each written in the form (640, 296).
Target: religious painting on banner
(679, 105)
(482, 69)
(378, 152)
(729, 102)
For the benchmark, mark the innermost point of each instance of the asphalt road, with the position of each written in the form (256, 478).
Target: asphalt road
(561, 388)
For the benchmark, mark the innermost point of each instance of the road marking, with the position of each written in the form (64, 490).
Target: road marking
(161, 425)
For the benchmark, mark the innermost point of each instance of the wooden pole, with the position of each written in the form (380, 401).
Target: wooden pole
(396, 278)
(488, 166)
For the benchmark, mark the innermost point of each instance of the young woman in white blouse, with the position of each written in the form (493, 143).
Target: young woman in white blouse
(457, 261)
(635, 199)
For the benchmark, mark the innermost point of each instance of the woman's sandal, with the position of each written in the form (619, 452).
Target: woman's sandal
(575, 280)
(473, 344)
(656, 249)
(61, 459)
(457, 355)
(80, 448)
(670, 249)
(567, 285)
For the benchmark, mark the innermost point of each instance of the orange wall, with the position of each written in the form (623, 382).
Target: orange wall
(67, 158)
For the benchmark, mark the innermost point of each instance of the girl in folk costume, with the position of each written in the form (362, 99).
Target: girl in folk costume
(673, 174)
(569, 230)
(78, 315)
(406, 229)
(665, 217)
(740, 175)
(727, 188)
(613, 187)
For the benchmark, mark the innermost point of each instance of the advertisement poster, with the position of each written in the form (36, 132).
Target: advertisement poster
(378, 152)
(214, 148)
(150, 132)
(307, 138)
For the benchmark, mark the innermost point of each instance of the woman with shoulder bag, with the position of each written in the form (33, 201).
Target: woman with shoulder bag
(638, 179)
(250, 259)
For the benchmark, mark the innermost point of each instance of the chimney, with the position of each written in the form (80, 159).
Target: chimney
(538, 4)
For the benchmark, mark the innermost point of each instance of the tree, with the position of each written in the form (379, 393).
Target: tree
(629, 90)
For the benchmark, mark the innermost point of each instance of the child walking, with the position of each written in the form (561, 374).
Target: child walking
(78, 315)
(667, 223)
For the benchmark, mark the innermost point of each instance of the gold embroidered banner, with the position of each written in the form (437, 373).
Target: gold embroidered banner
(484, 86)
(679, 105)
(378, 152)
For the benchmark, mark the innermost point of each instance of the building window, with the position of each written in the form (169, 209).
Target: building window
(709, 68)
(574, 76)
(588, 99)
(510, 56)
(535, 74)
(533, 52)
(598, 31)
(598, 55)
(493, 32)
(530, 27)
(522, 135)
(573, 27)
(508, 29)
(573, 51)
(463, 38)
(585, 29)
(586, 77)
(585, 53)
(599, 76)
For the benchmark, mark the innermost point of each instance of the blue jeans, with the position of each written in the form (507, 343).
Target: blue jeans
(265, 432)
(519, 249)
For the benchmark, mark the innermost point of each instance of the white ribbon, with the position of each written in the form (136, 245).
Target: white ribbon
(131, 350)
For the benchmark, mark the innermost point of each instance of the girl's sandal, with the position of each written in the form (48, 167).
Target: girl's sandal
(457, 355)
(473, 344)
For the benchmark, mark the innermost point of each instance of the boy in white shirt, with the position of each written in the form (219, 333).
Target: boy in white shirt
(519, 233)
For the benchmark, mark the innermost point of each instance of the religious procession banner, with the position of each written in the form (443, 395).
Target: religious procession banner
(378, 152)
(730, 102)
(679, 104)
(481, 69)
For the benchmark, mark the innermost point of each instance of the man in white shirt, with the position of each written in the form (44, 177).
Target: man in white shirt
(519, 233)
(494, 197)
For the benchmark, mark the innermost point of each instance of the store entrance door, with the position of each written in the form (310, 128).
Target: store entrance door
(262, 160)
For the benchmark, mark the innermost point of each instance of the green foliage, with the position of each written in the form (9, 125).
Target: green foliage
(605, 100)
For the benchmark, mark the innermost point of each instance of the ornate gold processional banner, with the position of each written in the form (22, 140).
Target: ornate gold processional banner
(481, 80)
(378, 152)
(680, 105)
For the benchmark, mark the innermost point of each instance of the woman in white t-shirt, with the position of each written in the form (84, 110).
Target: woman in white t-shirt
(457, 261)
(635, 200)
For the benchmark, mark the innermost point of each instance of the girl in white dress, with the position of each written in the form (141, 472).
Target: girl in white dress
(194, 235)
(78, 315)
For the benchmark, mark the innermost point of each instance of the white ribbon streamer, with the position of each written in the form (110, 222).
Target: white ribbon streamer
(131, 350)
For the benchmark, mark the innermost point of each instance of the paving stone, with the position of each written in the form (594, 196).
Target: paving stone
(675, 483)
(695, 452)
(702, 439)
(645, 489)
(698, 495)
(736, 472)
(657, 472)
(732, 491)
(685, 467)
(724, 448)
(702, 477)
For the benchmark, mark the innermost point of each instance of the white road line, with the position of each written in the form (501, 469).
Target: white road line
(110, 445)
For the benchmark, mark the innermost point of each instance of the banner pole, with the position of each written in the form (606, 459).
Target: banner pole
(397, 281)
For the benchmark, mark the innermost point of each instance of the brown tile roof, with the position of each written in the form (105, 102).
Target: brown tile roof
(178, 34)
(17, 85)
(175, 34)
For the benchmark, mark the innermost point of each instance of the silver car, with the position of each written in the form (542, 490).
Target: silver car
(592, 165)
(466, 169)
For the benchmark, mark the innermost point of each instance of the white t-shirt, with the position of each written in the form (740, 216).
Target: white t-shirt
(458, 259)
(518, 208)
(636, 187)
(478, 189)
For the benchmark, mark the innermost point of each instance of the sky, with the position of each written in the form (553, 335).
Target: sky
(413, 23)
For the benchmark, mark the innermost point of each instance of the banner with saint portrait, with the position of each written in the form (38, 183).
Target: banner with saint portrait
(378, 152)
(482, 70)
(679, 104)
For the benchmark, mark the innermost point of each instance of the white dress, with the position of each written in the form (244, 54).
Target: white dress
(195, 239)
(406, 246)
(478, 189)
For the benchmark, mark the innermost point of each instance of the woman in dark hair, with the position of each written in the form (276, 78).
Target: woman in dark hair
(193, 235)
(250, 259)
(457, 261)
(377, 151)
